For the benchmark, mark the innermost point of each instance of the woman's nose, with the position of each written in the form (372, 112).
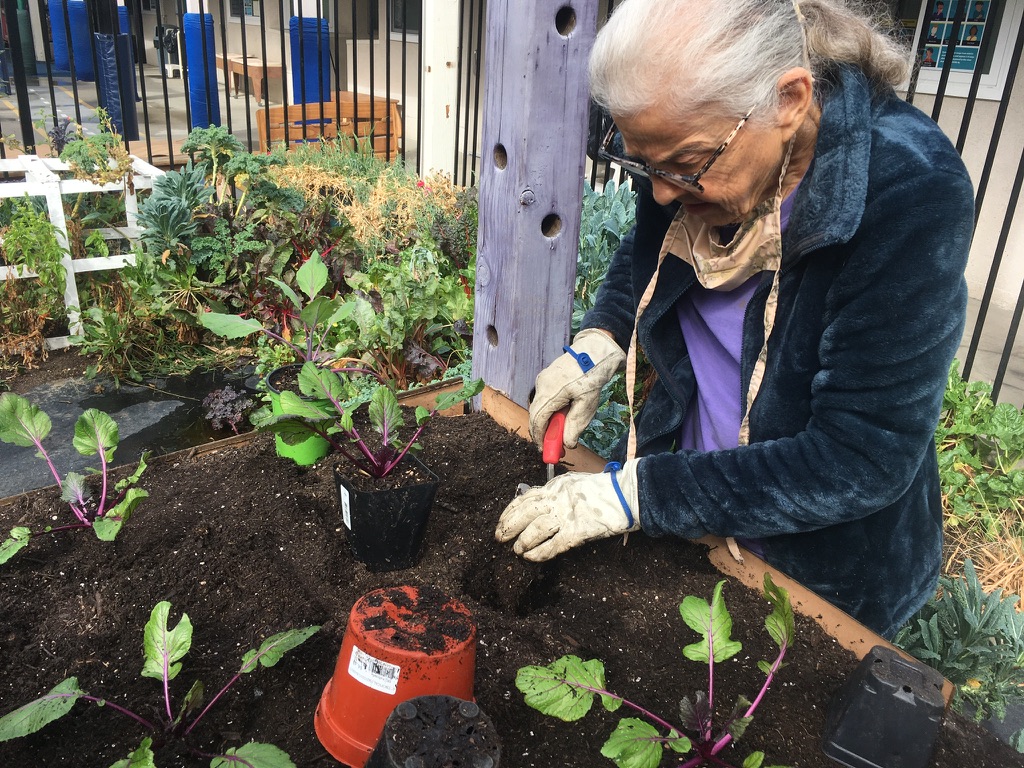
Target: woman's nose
(665, 191)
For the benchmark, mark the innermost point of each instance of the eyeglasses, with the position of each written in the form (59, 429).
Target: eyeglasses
(643, 169)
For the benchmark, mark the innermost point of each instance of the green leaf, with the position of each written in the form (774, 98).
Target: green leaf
(296, 406)
(677, 742)
(193, 700)
(713, 623)
(312, 276)
(322, 384)
(273, 648)
(468, 390)
(229, 326)
(423, 415)
(108, 525)
(15, 542)
(634, 744)
(31, 717)
(565, 688)
(122, 484)
(385, 413)
(780, 622)
(253, 755)
(140, 758)
(95, 431)
(319, 315)
(754, 760)
(164, 647)
(22, 423)
(73, 489)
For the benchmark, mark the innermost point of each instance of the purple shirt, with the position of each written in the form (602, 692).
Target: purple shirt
(712, 325)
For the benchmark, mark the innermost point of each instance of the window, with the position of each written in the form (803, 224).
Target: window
(244, 7)
(406, 16)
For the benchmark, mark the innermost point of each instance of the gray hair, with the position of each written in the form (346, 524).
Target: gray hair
(725, 58)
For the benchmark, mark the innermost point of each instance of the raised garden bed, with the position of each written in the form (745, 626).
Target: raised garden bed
(249, 545)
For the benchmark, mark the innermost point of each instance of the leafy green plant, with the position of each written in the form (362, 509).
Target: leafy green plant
(30, 244)
(24, 424)
(566, 689)
(312, 320)
(607, 217)
(404, 317)
(974, 638)
(327, 411)
(164, 647)
(980, 446)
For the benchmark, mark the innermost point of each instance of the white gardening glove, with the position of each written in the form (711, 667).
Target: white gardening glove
(572, 509)
(575, 379)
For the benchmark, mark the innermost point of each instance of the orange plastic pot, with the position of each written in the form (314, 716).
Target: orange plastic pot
(401, 642)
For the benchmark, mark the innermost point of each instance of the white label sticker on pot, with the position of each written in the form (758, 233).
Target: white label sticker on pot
(372, 672)
(346, 511)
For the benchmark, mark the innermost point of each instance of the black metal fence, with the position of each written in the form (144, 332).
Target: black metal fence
(373, 47)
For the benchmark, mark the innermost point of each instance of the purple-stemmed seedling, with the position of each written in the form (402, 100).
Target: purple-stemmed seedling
(24, 424)
(323, 411)
(164, 647)
(567, 687)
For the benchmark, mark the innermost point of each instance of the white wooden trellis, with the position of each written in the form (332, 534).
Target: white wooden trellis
(42, 179)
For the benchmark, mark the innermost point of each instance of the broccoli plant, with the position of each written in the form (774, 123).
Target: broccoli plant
(164, 648)
(24, 424)
(567, 687)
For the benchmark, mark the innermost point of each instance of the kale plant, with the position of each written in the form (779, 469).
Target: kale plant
(567, 687)
(164, 648)
(24, 424)
(227, 408)
(327, 410)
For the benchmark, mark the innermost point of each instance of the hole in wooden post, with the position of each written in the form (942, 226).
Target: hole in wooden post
(565, 20)
(551, 225)
(500, 157)
(492, 335)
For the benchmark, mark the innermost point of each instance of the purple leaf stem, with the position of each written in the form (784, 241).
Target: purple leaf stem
(649, 715)
(103, 469)
(106, 703)
(213, 701)
(750, 710)
(412, 441)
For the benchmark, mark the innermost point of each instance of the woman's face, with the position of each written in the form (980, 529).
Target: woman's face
(742, 176)
(746, 173)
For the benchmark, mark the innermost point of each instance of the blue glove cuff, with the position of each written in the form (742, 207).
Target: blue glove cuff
(611, 468)
(581, 357)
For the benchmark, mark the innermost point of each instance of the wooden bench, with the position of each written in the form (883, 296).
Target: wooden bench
(360, 120)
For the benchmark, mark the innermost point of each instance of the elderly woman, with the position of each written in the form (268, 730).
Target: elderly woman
(795, 279)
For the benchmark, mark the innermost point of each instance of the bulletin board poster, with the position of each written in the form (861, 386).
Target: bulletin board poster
(940, 30)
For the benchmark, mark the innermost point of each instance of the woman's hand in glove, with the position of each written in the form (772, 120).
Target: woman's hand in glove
(575, 380)
(570, 510)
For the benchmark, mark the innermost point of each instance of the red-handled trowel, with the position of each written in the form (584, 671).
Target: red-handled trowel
(553, 450)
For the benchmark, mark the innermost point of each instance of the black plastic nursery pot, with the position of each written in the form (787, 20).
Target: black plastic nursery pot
(314, 447)
(437, 732)
(400, 643)
(386, 527)
(887, 714)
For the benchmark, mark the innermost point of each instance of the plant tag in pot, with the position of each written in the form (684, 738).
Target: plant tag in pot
(346, 506)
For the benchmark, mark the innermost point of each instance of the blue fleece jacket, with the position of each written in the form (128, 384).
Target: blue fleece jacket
(840, 480)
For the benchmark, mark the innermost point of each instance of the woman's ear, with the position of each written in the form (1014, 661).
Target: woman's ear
(796, 95)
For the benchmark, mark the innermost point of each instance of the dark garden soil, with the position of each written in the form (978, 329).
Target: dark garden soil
(248, 545)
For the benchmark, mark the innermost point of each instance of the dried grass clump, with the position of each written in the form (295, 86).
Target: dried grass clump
(999, 563)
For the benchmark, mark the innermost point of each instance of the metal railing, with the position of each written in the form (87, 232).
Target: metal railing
(369, 53)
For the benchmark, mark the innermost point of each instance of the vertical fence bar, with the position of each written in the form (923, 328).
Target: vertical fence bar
(266, 77)
(245, 76)
(477, 77)
(982, 188)
(336, 18)
(48, 59)
(458, 92)
(419, 109)
(71, 65)
(28, 138)
(1004, 234)
(183, 55)
(355, 62)
(229, 76)
(163, 82)
(284, 74)
(135, 13)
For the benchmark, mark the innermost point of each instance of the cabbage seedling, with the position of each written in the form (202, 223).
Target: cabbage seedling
(566, 689)
(164, 648)
(24, 424)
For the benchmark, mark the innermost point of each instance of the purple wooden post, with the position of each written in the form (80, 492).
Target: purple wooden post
(531, 186)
